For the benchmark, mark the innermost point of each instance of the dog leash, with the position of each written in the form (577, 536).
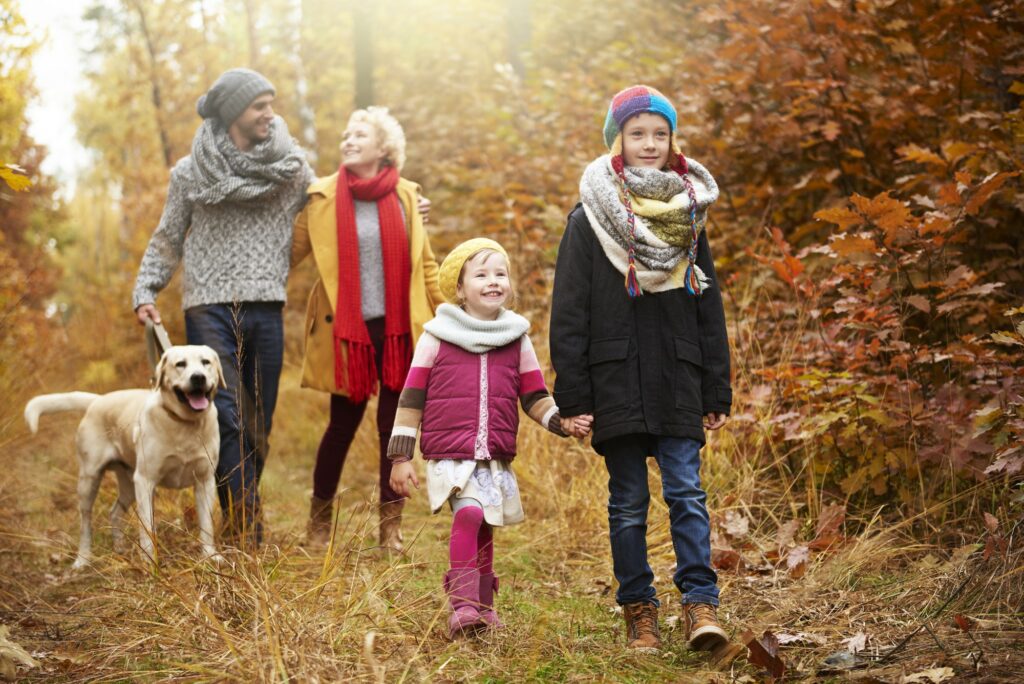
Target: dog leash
(157, 342)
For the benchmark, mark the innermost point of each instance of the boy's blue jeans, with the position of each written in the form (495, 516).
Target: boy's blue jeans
(628, 499)
(249, 338)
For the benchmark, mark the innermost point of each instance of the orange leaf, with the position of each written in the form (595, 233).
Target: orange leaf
(921, 155)
(988, 187)
(848, 246)
(841, 216)
(831, 130)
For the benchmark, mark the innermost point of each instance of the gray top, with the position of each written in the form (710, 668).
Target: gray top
(371, 258)
(231, 251)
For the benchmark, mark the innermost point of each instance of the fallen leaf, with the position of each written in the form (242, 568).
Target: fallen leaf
(932, 676)
(784, 537)
(858, 642)
(800, 638)
(796, 561)
(764, 652)
(736, 524)
(991, 522)
(725, 558)
(963, 622)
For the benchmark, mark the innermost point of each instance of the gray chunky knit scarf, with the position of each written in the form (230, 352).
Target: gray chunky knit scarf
(224, 173)
(661, 208)
(453, 325)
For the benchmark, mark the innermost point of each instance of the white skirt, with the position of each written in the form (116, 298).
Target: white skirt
(492, 483)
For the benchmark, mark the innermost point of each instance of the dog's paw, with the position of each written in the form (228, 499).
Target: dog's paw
(215, 558)
(80, 563)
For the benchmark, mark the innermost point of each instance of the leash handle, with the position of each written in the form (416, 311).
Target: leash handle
(157, 342)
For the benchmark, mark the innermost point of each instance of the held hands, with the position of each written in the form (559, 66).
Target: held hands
(146, 312)
(713, 421)
(401, 475)
(578, 426)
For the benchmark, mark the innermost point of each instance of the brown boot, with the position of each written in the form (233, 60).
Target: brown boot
(701, 628)
(391, 525)
(321, 517)
(642, 630)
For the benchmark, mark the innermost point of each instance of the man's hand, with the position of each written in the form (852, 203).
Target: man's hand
(147, 312)
(423, 205)
(713, 421)
(401, 475)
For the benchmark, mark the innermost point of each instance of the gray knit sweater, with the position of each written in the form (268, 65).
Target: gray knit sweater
(232, 251)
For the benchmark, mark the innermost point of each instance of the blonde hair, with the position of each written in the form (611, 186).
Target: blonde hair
(389, 133)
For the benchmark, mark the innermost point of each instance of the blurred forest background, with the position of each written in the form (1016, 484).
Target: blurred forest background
(868, 237)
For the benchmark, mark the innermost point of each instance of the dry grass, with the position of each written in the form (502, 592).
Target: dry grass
(293, 614)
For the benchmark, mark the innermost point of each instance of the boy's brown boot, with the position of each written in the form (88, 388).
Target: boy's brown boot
(391, 525)
(321, 516)
(702, 631)
(642, 631)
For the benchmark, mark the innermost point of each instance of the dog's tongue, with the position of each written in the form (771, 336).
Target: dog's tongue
(198, 402)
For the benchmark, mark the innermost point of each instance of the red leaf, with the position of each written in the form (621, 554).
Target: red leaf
(964, 623)
(764, 652)
(991, 522)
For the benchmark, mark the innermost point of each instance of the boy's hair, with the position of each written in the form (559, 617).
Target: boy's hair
(508, 267)
(389, 133)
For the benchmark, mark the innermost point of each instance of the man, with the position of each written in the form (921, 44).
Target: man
(228, 220)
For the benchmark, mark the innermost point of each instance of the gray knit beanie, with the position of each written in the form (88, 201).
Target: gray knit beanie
(233, 92)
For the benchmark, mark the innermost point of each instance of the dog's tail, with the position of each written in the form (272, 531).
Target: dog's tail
(55, 403)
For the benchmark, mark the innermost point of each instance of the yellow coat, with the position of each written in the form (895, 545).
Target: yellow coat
(316, 232)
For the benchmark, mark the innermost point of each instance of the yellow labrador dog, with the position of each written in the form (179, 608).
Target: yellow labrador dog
(165, 436)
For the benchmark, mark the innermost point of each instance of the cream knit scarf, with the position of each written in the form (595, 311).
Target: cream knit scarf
(453, 325)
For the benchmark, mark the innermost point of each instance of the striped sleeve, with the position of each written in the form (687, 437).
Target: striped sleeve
(533, 393)
(410, 403)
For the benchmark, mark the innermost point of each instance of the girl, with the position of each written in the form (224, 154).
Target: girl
(470, 366)
(638, 340)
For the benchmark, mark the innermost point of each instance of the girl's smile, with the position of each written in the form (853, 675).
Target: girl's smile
(646, 141)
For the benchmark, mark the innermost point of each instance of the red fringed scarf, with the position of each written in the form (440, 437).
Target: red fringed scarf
(359, 379)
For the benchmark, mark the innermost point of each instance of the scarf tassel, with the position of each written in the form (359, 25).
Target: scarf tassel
(361, 384)
(632, 283)
(397, 358)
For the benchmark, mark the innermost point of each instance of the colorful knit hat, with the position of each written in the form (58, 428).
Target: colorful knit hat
(451, 267)
(635, 100)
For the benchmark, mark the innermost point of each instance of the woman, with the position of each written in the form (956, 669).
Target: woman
(377, 287)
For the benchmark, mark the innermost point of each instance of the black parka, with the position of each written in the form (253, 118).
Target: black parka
(655, 364)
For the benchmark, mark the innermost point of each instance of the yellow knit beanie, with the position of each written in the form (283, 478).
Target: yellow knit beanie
(451, 267)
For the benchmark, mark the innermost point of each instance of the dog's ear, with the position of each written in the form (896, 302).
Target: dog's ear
(220, 371)
(161, 372)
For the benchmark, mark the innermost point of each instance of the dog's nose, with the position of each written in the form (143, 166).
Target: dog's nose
(198, 379)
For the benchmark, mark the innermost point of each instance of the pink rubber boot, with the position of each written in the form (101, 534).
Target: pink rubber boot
(463, 588)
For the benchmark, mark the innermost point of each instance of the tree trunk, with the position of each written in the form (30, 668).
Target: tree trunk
(362, 25)
(307, 116)
(165, 140)
(518, 27)
(250, 23)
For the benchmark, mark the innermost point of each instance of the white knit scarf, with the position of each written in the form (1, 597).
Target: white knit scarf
(453, 325)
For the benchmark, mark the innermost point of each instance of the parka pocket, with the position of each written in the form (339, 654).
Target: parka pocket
(688, 364)
(609, 378)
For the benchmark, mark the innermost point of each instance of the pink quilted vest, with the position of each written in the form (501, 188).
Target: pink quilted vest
(469, 412)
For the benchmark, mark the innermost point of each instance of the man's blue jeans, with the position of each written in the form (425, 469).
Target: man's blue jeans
(249, 338)
(628, 499)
